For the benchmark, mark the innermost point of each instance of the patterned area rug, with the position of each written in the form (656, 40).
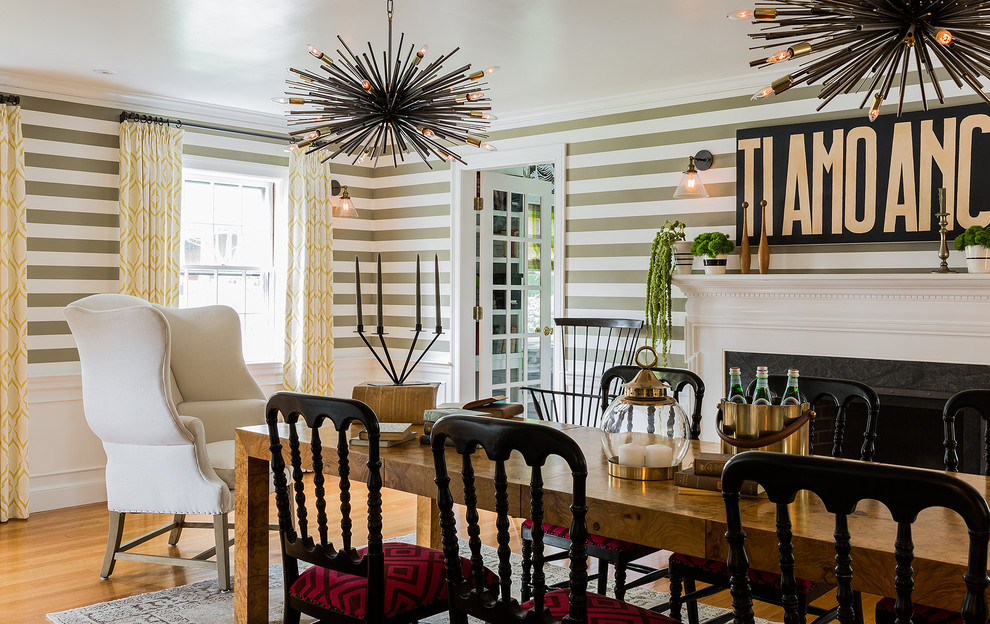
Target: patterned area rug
(202, 603)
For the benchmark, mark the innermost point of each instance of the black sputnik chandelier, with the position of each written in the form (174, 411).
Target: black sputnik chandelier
(862, 45)
(368, 109)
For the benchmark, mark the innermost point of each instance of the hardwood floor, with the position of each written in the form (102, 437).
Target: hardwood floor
(51, 562)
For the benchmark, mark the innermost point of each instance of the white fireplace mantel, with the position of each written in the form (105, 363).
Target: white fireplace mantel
(913, 317)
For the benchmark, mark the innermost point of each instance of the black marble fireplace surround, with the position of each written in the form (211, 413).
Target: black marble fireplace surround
(912, 395)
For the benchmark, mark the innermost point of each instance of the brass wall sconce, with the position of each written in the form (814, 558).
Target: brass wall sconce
(691, 185)
(345, 207)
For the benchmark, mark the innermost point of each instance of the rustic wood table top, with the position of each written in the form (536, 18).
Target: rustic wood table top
(651, 513)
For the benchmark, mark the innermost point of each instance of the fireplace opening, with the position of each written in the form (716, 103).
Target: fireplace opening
(912, 396)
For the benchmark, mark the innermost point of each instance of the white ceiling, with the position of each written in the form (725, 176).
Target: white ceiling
(234, 53)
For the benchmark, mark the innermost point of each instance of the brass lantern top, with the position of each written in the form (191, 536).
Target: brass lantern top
(646, 389)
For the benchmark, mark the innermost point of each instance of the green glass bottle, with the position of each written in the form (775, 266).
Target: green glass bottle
(761, 395)
(791, 395)
(736, 393)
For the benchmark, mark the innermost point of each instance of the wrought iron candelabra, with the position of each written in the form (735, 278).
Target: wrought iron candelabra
(398, 377)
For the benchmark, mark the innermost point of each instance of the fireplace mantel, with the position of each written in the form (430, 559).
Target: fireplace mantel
(909, 317)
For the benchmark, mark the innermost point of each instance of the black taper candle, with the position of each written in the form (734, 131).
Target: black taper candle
(381, 314)
(357, 293)
(436, 288)
(419, 310)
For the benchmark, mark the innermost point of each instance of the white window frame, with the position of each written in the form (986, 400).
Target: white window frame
(278, 177)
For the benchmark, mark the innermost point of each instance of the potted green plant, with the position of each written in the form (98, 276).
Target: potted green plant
(658, 310)
(713, 247)
(975, 241)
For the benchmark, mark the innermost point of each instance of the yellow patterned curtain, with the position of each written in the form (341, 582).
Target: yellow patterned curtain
(150, 192)
(13, 319)
(308, 363)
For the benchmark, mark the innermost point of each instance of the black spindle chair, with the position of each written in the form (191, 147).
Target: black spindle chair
(978, 400)
(589, 346)
(345, 584)
(841, 485)
(686, 571)
(497, 440)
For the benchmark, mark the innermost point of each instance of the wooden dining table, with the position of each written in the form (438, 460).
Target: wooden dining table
(653, 513)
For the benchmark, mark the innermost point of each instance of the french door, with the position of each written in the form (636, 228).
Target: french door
(514, 268)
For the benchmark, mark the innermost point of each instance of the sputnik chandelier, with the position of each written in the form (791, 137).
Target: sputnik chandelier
(367, 110)
(863, 45)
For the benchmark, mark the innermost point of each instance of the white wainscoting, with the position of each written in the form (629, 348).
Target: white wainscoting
(67, 461)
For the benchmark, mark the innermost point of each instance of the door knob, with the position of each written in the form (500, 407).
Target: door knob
(547, 330)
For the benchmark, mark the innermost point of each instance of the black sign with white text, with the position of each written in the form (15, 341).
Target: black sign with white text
(848, 180)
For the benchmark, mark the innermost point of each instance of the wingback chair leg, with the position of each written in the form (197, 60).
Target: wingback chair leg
(114, 536)
(173, 537)
(220, 532)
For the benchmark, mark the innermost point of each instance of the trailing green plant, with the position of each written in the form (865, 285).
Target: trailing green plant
(974, 235)
(659, 321)
(712, 244)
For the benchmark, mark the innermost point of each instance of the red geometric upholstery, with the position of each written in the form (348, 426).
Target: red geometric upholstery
(602, 609)
(593, 540)
(922, 614)
(414, 577)
(768, 580)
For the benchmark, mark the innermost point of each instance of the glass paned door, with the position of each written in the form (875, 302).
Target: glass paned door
(515, 286)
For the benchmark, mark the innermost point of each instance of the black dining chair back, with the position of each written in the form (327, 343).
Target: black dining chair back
(342, 584)
(478, 439)
(842, 393)
(677, 378)
(589, 346)
(841, 485)
(977, 400)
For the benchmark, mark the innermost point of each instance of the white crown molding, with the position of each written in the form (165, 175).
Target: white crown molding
(665, 96)
(20, 84)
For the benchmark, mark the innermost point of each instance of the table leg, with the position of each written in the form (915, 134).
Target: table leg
(428, 523)
(250, 537)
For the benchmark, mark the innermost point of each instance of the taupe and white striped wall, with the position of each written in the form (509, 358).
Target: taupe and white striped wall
(622, 170)
(71, 154)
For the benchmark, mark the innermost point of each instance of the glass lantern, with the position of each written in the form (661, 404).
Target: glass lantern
(645, 433)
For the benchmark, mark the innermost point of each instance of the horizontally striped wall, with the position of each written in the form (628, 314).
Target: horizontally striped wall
(71, 153)
(622, 170)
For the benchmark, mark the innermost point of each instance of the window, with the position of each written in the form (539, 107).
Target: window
(227, 253)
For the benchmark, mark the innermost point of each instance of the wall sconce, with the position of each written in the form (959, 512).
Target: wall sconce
(691, 185)
(345, 207)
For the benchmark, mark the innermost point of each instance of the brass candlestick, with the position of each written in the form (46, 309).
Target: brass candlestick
(943, 248)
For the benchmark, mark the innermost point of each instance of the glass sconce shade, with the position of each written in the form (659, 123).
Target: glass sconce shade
(691, 185)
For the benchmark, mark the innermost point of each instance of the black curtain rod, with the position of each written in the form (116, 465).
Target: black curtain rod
(178, 123)
(13, 100)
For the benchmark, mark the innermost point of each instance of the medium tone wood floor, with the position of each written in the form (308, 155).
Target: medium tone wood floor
(51, 562)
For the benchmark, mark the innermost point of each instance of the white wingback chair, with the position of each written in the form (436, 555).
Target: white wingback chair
(164, 390)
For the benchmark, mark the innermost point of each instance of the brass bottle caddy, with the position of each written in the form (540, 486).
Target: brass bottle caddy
(780, 428)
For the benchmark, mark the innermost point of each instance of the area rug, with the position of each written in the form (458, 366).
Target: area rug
(202, 603)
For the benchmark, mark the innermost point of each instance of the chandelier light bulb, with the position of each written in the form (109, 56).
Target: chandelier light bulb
(314, 50)
(741, 14)
(474, 97)
(489, 147)
(780, 56)
(291, 147)
(427, 132)
(762, 93)
(366, 85)
(875, 109)
(944, 37)
(422, 51)
(492, 69)
(288, 100)
(312, 136)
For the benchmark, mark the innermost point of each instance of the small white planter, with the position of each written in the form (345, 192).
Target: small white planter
(683, 260)
(716, 265)
(977, 259)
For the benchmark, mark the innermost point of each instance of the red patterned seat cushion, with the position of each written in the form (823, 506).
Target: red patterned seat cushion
(770, 580)
(593, 540)
(414, 577)
(602, 609)
(922, 614)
